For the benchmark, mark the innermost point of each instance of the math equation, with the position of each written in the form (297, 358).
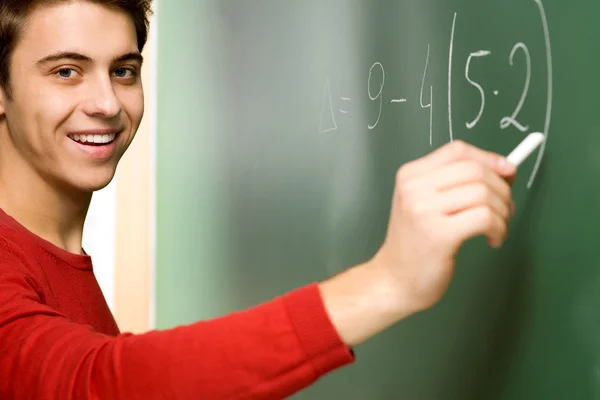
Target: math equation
(375, 89)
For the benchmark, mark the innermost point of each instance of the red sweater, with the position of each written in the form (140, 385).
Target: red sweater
(59, 340)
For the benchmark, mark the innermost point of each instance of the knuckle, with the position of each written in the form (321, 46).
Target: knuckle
(475, 170)
(417, 209)
(503, 229)
(506, 192)
(487, 218)
(458, 148)
(405, 186)
(500, 233)
(504, 212)
(407, 201)
(402, 175)
(483, 193)
(410, 202)
(407, 191)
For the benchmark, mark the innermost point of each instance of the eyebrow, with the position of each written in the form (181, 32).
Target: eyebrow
(67, 55)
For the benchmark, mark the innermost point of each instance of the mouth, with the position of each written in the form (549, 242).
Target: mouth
(93, 138)
(96, 144)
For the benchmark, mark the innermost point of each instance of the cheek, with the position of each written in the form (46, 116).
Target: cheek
(49, 106)
(133, 105)
(38, 108)
(52, 110)
(34, 120)
(47, 120)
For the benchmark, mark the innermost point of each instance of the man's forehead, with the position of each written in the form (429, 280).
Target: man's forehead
(94, 30)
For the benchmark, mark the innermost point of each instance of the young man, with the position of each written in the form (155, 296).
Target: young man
(71, 101)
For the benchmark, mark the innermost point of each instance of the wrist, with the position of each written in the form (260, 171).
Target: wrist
(363, 301)
(391, 293)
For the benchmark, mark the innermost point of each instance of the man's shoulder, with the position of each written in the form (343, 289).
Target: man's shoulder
(15, 247)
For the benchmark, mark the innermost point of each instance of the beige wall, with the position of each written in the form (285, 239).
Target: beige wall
(135, 214)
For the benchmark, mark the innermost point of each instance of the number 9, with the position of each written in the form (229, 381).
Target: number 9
(379, 94)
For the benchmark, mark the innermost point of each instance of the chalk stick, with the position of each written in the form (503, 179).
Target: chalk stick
(525, 148)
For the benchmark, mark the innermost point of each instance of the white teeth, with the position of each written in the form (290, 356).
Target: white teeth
(93, 138)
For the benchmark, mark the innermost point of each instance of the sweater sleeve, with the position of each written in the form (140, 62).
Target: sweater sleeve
(266, 352)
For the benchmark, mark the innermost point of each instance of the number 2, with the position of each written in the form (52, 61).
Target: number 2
(508, 121)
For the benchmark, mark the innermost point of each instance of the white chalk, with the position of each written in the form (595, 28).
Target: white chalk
(525, 148)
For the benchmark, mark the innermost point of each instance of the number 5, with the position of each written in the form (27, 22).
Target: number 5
(480, 53)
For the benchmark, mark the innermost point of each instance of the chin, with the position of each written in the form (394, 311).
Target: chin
(95, 186)
(94, 181)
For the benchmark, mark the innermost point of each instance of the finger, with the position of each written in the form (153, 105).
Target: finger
(454, 151)
(510, 178)
(472, 195)
(479, 221)
(465, 172)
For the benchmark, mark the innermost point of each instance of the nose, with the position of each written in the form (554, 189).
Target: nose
(102, 101)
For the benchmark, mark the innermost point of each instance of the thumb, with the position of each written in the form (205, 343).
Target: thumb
(505, 169)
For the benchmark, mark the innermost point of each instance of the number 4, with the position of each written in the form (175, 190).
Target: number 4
(430, 106)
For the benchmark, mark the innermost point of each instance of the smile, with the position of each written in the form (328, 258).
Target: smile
(93, 139)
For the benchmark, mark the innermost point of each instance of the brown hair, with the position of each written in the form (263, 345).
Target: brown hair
(14, 14)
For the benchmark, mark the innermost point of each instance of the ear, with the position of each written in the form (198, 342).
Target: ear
(2, 101)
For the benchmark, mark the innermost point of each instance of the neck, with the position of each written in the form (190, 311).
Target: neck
(49, 211)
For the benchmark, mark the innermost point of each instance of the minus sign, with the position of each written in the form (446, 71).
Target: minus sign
(398, 101)
(343, 111)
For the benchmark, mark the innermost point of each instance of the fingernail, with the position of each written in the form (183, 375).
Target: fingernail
(493, 243)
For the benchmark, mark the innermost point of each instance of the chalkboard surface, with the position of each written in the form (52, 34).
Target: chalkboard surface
(281, 125)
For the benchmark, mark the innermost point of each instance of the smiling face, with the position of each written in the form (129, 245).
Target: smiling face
(76, 96)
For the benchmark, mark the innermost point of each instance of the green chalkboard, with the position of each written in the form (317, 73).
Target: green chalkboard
(281, 125)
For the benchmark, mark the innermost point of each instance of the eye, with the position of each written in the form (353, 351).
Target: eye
(66, 73)
(122, 72)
